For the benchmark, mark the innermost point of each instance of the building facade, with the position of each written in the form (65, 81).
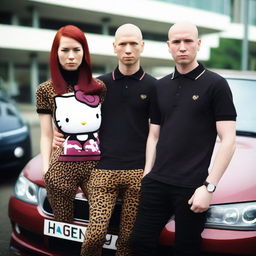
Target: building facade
(27, 28)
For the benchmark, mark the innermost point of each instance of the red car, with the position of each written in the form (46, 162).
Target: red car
(231, 220)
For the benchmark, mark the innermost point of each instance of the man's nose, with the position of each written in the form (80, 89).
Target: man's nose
(128, 48)
(182, 46)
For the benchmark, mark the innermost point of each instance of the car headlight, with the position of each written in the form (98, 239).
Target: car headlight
(238, 216)
(26, 190)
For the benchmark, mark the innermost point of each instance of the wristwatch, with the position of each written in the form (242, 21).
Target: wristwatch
(210, 187)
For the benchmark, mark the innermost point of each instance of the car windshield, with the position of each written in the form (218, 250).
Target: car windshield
(244, 95)
(9, 117)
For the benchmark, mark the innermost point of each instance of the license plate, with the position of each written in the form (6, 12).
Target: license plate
(73, 232)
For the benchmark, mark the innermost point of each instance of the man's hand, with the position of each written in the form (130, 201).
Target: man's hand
(200, 200)
(58, 139)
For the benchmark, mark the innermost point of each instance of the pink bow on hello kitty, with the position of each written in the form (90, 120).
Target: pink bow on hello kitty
(91, 100)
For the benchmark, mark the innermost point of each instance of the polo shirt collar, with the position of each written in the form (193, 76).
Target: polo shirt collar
(117, 75)
(193, 75)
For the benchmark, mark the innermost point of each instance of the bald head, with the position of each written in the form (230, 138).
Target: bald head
(128, 30)
(183, 45)
(183, 27)
(128, 46)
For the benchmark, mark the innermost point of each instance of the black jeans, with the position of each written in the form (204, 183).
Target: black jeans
(158, 203)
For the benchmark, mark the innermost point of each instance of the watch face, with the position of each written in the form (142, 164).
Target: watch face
(210, 187)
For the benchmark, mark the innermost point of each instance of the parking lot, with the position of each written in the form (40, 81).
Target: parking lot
(236, 203)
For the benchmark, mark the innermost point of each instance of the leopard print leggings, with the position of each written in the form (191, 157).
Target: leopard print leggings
(104, 187)
(62, 181)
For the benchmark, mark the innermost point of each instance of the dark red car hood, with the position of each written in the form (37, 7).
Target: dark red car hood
(238, 183)
(34, 171)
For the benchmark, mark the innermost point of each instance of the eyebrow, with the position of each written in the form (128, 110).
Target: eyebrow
(65, 47)
(130, 42)
(179, 40)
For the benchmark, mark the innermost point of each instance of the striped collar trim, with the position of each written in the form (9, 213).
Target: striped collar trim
(193, 75)
(139, 75)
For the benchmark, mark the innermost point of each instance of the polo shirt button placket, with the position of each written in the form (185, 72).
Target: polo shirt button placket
(125, 89)
(177, 95)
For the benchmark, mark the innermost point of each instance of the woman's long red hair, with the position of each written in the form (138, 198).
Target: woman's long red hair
(86, 82)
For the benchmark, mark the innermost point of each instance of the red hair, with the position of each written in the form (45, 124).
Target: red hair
(86, 82)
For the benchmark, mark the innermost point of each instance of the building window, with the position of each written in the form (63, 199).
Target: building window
(5, 18)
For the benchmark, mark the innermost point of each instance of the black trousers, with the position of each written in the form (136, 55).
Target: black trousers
(158, 203)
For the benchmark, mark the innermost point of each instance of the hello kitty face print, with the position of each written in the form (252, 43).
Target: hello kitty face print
(78, 116)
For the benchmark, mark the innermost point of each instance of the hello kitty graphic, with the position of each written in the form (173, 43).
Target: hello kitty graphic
(78, 116)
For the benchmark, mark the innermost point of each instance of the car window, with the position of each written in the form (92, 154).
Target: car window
(10, 118)
(244, 94)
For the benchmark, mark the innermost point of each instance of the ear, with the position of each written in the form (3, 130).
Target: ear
(62, 99)
(114, 47)
(168, 45)
(199, 44)
(142, 46)
(58, 100)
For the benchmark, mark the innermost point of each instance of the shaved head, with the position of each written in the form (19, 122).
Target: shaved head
(128, 46)
(183, 45)
(182, 27)
(128, 29)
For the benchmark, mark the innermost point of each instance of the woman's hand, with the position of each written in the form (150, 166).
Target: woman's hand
(58, 139)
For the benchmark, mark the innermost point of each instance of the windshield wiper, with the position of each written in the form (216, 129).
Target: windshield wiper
(246, 133)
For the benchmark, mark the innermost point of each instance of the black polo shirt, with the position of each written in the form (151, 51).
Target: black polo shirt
(126, 111)
(190, 105)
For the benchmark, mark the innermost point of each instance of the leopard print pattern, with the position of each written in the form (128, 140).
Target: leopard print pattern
(62, 181)
(63, 178)
(104, 187)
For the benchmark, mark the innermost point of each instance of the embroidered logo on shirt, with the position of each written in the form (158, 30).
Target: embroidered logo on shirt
(195, 97)
(143, 96)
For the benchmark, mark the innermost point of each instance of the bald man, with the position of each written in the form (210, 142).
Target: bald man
(126, 111)
(195, 106)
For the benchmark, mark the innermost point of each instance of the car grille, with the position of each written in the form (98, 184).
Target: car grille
(65, 247)
(81, 210)
(31, 236)
(54, 245)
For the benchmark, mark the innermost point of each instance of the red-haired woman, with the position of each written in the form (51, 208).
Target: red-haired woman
(70, 102)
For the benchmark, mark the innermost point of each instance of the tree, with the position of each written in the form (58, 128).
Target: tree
(228, 55)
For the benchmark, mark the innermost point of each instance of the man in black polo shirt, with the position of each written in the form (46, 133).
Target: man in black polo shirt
(195, 105)
(126, 111)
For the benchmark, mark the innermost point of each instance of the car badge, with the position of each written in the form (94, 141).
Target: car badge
(195, 97)
(143, 96)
